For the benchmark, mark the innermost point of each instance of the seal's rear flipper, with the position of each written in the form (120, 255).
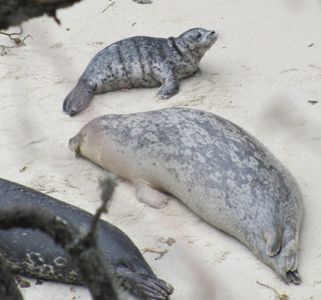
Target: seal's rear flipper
(144, 286)
(287, 262)
(273, 243)
(78, 99)
(293, 276)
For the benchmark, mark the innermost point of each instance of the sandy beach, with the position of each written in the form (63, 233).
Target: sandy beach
(263, 74)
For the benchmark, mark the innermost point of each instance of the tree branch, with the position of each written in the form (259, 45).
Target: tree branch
(81, 246)
(14, 12)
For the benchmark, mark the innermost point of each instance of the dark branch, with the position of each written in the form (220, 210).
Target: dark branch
(8, 286)
(81, 246)
(14, 12)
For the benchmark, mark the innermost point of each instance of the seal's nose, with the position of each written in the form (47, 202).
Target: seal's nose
(72, 113)
(213, 32)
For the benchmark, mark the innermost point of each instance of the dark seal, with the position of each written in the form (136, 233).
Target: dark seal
(224, 174)
(141, 61)
(33, 253)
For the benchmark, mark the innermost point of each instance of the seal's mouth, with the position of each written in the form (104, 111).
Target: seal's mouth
(79, 98)
(74, 144)
(213, 36)
(210, 39)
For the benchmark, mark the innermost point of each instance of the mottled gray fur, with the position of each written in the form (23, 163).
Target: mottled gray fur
(141, 61)
(220, 171)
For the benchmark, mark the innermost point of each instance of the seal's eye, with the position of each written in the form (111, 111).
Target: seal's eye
(198, 35)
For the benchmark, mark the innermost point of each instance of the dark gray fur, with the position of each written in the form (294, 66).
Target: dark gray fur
(224, 174)
(33, 253)
(141, 61)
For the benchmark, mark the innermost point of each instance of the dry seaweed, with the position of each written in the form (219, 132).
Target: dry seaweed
(277, 295)
(111, 4)
(161, 253)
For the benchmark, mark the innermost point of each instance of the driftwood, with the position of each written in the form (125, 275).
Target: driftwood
(81, 246)
(14, 12)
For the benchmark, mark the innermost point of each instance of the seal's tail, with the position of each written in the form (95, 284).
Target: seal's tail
(288, 262)
(146, 287)
(78, 99)
(281, 254)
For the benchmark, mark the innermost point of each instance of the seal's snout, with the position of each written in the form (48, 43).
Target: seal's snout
(213, 35)
(72, 113)
(74, 143)
(78, 99)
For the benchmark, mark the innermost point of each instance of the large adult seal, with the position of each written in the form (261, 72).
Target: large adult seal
(224, 174)
(33, 253)
(141, 61)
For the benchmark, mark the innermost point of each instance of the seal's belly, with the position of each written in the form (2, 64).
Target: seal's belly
(206, 191)
(125, 78)
(214, 192)
(213, 166)
(221, 172)
(127, 64)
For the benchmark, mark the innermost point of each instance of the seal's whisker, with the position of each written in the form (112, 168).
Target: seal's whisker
(221, 38)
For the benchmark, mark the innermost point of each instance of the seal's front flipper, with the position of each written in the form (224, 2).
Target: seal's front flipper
(150, 196)
(197, 73)
(144, 286)
(155, 288)
(78, 99)
(273, 243)
(169, 88)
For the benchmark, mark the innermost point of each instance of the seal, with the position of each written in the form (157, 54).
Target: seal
(221, 172)
(33, 253)
(141, 61)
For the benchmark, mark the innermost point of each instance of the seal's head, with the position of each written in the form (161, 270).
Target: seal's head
(75, 142)
(90, 134)
(80, 97)
(197, 40)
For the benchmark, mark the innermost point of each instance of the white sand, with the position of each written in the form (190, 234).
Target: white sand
(261, 77)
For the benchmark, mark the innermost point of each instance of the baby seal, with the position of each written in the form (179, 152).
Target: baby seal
(141, 61)
(221, 172)
(33, 253)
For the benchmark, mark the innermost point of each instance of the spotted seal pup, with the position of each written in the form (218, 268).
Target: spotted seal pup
(33, 253)
(221, 172)
(141, 61)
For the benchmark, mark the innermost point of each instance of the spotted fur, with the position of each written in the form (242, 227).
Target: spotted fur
(141, 61)
(224, 174)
